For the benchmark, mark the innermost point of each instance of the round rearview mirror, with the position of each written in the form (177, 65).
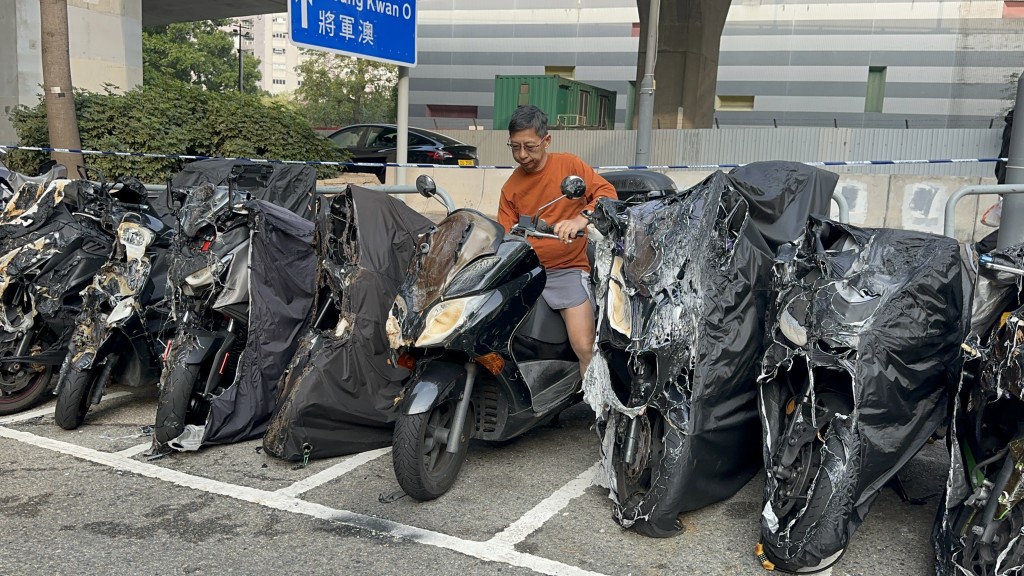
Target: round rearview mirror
(425, 185)
(573, 187)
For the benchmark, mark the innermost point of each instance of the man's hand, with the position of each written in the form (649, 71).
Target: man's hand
(566, 230)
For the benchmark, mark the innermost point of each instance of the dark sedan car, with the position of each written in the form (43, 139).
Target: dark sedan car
(379, 143)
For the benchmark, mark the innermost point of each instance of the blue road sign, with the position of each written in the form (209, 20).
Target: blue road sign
(383, 30)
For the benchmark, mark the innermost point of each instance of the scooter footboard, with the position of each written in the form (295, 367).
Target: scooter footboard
(438, 381)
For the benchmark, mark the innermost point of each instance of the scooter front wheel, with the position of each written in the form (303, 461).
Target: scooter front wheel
(424, 467)
(172, 405)
(73, 399)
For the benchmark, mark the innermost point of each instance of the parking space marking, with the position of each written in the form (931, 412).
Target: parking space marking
(135, 450)
(48, 410)
(336, 471)
(545, 510)
(487, 551)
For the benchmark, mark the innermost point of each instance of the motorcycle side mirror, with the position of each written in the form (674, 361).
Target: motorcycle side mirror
(426, 186)
(573, 187)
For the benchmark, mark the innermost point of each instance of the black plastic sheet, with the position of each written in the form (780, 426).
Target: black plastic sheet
(870, 320)
(339, 396)
(696, 269)
(288, 185)
(282, 267)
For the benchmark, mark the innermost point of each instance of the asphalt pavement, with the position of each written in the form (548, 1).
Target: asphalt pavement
(89, 502)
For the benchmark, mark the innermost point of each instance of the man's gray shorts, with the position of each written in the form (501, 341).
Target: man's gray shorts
(567, 288)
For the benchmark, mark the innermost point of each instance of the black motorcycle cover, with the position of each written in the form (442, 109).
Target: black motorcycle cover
(288, 185)
(885, 307)
(697, 265)
(282, 267)
(339, 396)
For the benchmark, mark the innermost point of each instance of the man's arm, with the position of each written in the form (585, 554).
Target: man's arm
(597, 187)
(508, 216)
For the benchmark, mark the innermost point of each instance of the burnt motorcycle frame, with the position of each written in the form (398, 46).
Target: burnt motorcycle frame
(980, 526)
(506, 368)
(119, 336)
(58, 255)
(202, 358)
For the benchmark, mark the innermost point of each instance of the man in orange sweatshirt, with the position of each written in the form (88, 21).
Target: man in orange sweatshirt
(536, 182)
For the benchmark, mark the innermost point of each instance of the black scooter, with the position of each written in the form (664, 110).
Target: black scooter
(121, 331)
(53, 239)
(491, 359)
(209, 279)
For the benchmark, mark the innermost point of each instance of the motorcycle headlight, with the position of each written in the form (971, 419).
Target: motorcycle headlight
(200, 277)
(790, 325)
(135, 239)
(620, 309)
(445, 317)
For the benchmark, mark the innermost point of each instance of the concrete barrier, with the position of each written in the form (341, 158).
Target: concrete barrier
(876, 200)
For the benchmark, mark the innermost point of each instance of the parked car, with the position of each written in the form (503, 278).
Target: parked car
(378, 143)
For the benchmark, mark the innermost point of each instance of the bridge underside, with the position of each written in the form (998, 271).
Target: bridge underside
(160, 12)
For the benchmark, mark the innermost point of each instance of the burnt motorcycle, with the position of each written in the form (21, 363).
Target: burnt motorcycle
(121, 330)
(11, 181)
(490, 358)
(863, 349)
(682, 292)
(53, 240)
(235, 263)
(980, 526)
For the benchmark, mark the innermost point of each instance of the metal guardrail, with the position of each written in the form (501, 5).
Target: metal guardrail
(443, 196)
(949, 219)
(844, 206)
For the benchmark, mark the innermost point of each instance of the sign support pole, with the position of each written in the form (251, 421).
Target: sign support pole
(403, 123)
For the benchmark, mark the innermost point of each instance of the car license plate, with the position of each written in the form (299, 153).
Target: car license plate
(467, 163)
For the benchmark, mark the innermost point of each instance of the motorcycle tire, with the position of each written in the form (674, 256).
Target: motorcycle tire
(975, 557)
(636, 483)
(16, 396)
(73, 399)
(172, 406)
(423, 466)
(828, 509)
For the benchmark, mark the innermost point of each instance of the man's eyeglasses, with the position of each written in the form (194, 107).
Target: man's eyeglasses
(530, 147)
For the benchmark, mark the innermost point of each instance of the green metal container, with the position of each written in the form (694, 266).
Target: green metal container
(569, 104)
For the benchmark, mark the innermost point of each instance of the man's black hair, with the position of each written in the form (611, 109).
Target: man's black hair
(526, 117)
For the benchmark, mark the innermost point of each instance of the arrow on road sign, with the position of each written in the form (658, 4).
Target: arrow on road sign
(305, 14)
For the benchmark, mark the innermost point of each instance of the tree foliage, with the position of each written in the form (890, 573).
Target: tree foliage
(175, 118)
(338, 90)
(199, 53)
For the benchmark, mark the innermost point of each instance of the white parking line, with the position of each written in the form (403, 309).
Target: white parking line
(48, 410)
(482, 550)
(339, 469)
(134, 450)
(542, 512)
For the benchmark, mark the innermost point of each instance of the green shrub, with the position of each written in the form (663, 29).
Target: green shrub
(175, 118)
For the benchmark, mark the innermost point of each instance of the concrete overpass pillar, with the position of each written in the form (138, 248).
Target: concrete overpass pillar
(686, 72)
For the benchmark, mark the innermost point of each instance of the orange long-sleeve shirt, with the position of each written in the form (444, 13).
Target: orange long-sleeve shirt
(524, 193)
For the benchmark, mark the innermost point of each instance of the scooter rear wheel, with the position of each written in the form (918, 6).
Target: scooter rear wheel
(21, 386)
(73, 399)
(423, 466)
